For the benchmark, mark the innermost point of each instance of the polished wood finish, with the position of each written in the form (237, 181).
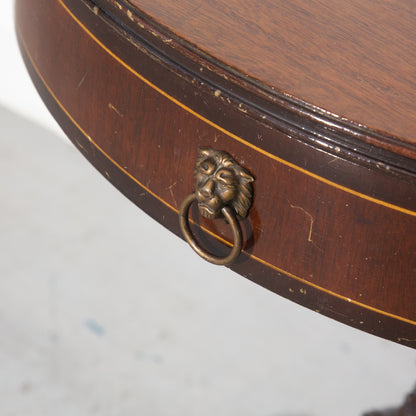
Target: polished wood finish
(354, 59)
(333, 225)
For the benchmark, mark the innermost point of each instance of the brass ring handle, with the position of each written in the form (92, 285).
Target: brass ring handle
(229, 215)
(223, 189)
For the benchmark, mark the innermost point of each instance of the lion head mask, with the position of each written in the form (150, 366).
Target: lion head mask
(221, 182)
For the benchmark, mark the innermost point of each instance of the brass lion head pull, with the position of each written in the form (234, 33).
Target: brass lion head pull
(223, 189)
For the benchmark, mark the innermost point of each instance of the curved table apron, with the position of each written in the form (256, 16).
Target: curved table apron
(333, 223)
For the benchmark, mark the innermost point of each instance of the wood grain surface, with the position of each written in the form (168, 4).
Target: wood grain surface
(331, 228)
(355, 59)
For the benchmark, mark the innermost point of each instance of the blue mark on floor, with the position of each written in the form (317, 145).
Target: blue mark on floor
(95, 327)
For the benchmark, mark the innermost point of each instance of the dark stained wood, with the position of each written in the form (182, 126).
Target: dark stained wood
(355, 59)
(333, 226)
(407, 409)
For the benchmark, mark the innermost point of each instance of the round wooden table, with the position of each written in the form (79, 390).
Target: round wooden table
(315, 102)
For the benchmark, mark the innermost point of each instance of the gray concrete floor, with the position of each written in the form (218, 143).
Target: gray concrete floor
(94, 322)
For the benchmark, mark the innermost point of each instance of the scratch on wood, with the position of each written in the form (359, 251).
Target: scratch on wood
(243, 110)
(81, 146)
(171, 194)
(406, 339)
(338, 313)
(82, 79)
(310, 217)
(111, 107)
(259, 228)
